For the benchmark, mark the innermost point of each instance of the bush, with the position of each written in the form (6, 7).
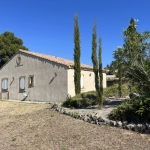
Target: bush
(81, 101)
(113, 91)
(89, 98)
(135, 110)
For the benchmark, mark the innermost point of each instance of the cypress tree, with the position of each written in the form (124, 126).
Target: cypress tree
(97, 66)
(77, 51)
(100, 74)
(94, 57)
(118, 55)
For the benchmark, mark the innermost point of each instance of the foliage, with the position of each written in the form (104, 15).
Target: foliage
(111, 68)
(80, 101)
(136, 62)
(131, 43)
(136, 45)
(86, 99)
(136, 110)
(97, 66)
(118, 55)
(14, 139)
(94, 57)
(77, 51)
(113, 91)
(136, 50)
(141, 77)
(9, 45)
(100, 74)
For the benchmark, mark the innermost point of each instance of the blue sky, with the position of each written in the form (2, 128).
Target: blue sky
(47, 26)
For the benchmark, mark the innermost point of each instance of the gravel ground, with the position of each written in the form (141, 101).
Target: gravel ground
(26, 126)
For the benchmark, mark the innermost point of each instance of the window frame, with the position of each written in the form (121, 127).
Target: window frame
(20, 89)
(31, 84)
(4, 90)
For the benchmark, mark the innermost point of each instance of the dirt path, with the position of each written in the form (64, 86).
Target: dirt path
(36, 127)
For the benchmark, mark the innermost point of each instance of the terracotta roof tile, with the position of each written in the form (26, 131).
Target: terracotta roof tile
(56, 59)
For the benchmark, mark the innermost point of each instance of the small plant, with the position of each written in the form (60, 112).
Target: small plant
(37, 135)
(14, 139)
(52, 115)
(8, 125)
(64, 148)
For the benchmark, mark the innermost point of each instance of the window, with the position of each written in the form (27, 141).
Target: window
(21, 84)
(82, 81)
(4, 85)
(31, 81)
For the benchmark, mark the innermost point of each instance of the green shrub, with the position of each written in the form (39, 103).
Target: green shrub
(113, 91)
(136, 110)
(80, 101)
(89, 98)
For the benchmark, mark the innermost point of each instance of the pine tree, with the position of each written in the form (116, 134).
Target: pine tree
(9, 45)
(77, 53)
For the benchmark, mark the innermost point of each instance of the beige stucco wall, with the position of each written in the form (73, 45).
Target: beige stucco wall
(104, 80)
(47, 86)
(89, 83)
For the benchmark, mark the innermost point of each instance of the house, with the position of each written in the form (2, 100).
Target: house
(38, 77)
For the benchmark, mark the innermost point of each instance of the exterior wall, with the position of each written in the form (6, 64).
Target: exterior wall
(88, 81)
(104, 80)
(50, 79)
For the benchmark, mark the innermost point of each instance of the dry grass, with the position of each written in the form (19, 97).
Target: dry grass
(36, 127)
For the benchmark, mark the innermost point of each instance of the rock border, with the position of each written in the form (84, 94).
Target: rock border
(98, 120)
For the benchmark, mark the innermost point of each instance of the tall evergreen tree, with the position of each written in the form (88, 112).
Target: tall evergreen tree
(94, 56)
(118, 55)
(132, 43)
(77, 53)
(136, 53)
(97, 66)
(100, 74)
(135, 44)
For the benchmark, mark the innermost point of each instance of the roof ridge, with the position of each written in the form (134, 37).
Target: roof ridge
(60, 60)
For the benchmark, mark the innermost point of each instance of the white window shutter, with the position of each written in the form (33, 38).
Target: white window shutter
(5, 84)
(22, 83)
(82, 81)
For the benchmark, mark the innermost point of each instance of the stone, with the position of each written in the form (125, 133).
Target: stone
(94, 118)
(141, 128)
(130, 126)
(147, 131)
(54, 106)
(107, 106)
(133, 95)
(89, 115)
(100, 119)
(86, 118)
(136, 129)
(118, 124)
(82, 117)
(124, 124)
(147, 126)
(112, 123)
